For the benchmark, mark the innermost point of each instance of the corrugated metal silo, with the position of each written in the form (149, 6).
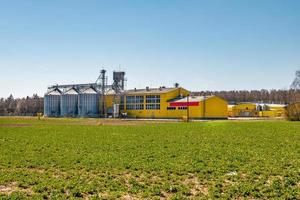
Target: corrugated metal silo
(52, 103)
(88, 103)
(69, 103)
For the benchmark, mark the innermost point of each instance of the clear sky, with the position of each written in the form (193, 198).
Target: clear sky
(203, 45)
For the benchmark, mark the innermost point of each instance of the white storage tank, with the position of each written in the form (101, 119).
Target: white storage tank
(52, 103)
(69, 103)
(88, 103)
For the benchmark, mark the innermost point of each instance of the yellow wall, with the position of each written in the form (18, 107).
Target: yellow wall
(272, 113)
(278, 111)
(215, 107)
(109, 101)
(230, 110)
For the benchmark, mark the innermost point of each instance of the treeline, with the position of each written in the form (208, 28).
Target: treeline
(28, 106)
(259, 96)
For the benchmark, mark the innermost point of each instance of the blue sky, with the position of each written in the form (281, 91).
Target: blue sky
(203, 45)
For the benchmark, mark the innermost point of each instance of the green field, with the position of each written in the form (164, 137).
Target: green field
(93, 159)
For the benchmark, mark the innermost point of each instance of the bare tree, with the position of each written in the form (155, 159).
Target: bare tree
(293, 111)
(296, 83)
(28, 106)
(3, 110)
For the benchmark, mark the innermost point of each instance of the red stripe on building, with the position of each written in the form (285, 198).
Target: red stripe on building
(183, 104)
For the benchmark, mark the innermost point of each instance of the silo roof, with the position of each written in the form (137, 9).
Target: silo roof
(71, 91)
(54, 92)
(90, 91)
(110, 92)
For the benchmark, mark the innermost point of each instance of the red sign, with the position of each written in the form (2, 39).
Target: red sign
(183, 104)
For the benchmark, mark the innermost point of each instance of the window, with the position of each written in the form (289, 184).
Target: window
(152, 106)
(134, 102)
(135, 99)
(139, 106)
(122, 103)
(130, 107)
(135, 107)
(171, 108)
(152, 98)
(182, 108)
(130, 99)
(139, 99)
(152, 102)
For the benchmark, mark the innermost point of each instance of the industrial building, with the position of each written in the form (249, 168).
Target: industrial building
(102, 100)
(243, 110)
(171, 103)
(203, 107)
(81, 100)
(272, 110)
(256, 110)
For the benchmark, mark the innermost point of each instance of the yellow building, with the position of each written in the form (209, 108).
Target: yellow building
(110, 99)
(171, 103)
(230, 110)
(242, 110)
(200, 107)
(273, 110)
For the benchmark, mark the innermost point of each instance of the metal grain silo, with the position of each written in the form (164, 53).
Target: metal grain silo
(88, 103)
(52, 103)
(69, 103)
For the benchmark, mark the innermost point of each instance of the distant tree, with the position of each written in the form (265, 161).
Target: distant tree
(2, 107)
(21, 108)
(28, 106)
(293, 111)
(11, 105)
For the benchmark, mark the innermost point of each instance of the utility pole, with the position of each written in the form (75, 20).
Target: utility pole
(204, 107)
(187, 108)
(103, 86)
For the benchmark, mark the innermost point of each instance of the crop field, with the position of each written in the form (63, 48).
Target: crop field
(114, 159)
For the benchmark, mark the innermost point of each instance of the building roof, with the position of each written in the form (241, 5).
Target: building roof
(275, 105)
(150, 90)
(244, 103)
